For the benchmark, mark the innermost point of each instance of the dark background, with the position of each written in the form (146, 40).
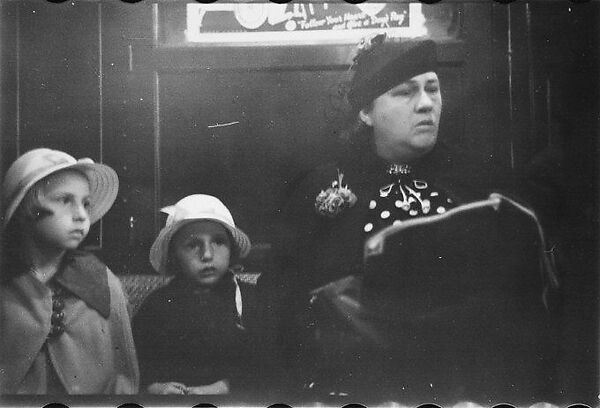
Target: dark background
(100, 79)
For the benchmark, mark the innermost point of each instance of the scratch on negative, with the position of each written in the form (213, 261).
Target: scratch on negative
(223, 124)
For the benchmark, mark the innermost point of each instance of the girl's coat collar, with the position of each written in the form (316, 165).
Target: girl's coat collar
(86, 277)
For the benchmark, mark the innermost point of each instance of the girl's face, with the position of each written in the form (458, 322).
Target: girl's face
(64, 220)
(203, 251)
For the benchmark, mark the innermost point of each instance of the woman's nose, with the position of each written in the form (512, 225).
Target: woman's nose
(424, 101)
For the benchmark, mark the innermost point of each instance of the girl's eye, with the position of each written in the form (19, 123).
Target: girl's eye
(432, 89)
(191, 243)
(222, 241)
(86, 204)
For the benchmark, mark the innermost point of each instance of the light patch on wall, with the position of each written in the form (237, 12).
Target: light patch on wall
(300, 23)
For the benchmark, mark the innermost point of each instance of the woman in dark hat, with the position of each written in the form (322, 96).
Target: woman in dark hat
(397, 168)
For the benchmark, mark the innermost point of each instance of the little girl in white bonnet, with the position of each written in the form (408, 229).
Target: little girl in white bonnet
(197, 335)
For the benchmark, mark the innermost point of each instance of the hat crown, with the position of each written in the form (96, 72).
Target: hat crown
(382, 64)
(30, 165)
(199, 206)
(188, 209)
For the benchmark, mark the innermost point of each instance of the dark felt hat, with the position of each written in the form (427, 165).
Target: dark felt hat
(381, 65)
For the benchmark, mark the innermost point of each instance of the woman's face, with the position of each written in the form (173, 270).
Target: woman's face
(203, 251)
(64, 221)
(405, 119)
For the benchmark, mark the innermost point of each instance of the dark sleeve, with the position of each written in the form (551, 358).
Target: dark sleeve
(149, 342)
(284, 291)
(471, 177)
(281, 286)
(267, 372)
(300, 229)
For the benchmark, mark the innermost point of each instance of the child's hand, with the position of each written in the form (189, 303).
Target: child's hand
(167, 388)
(217, 388)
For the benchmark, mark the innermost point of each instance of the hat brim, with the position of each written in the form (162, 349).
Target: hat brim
(159, 252)
(103, 181)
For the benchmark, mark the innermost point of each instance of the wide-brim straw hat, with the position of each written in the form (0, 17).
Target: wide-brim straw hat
(189, 209)
(36, 164)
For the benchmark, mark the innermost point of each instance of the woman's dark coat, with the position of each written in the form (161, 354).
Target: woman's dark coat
(317, 249)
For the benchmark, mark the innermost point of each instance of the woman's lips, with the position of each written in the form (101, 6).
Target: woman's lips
(428, 122)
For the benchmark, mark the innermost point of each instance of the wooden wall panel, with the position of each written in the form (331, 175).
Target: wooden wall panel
(564, 145)
(129, 135)
(59, 77)
(9, 38)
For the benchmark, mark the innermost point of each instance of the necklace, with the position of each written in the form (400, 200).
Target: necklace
(397, 169)
(57, 319)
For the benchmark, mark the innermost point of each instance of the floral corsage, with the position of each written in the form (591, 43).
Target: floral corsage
(335, 199)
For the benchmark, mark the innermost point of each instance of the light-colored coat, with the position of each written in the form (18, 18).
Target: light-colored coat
(95, 354)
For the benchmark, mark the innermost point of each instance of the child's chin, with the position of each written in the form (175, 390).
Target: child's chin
(74, 245)
(206, 282)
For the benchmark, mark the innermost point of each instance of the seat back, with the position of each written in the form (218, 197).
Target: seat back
(137, 287)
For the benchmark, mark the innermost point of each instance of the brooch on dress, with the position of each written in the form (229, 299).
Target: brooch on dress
(335, 199)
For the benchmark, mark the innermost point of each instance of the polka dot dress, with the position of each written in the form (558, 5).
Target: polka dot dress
(404, 197)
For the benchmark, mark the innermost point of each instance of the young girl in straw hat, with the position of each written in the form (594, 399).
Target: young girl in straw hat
(199, 334)
(63, 315)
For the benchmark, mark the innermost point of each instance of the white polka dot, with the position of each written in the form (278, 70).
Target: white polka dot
(413, 212)
(368, 227)
(372, 204)
(426, 206)
(398, 203)
(441, 210)
(449, 200)
(385, 214)
(397, 222)
(434, 194)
